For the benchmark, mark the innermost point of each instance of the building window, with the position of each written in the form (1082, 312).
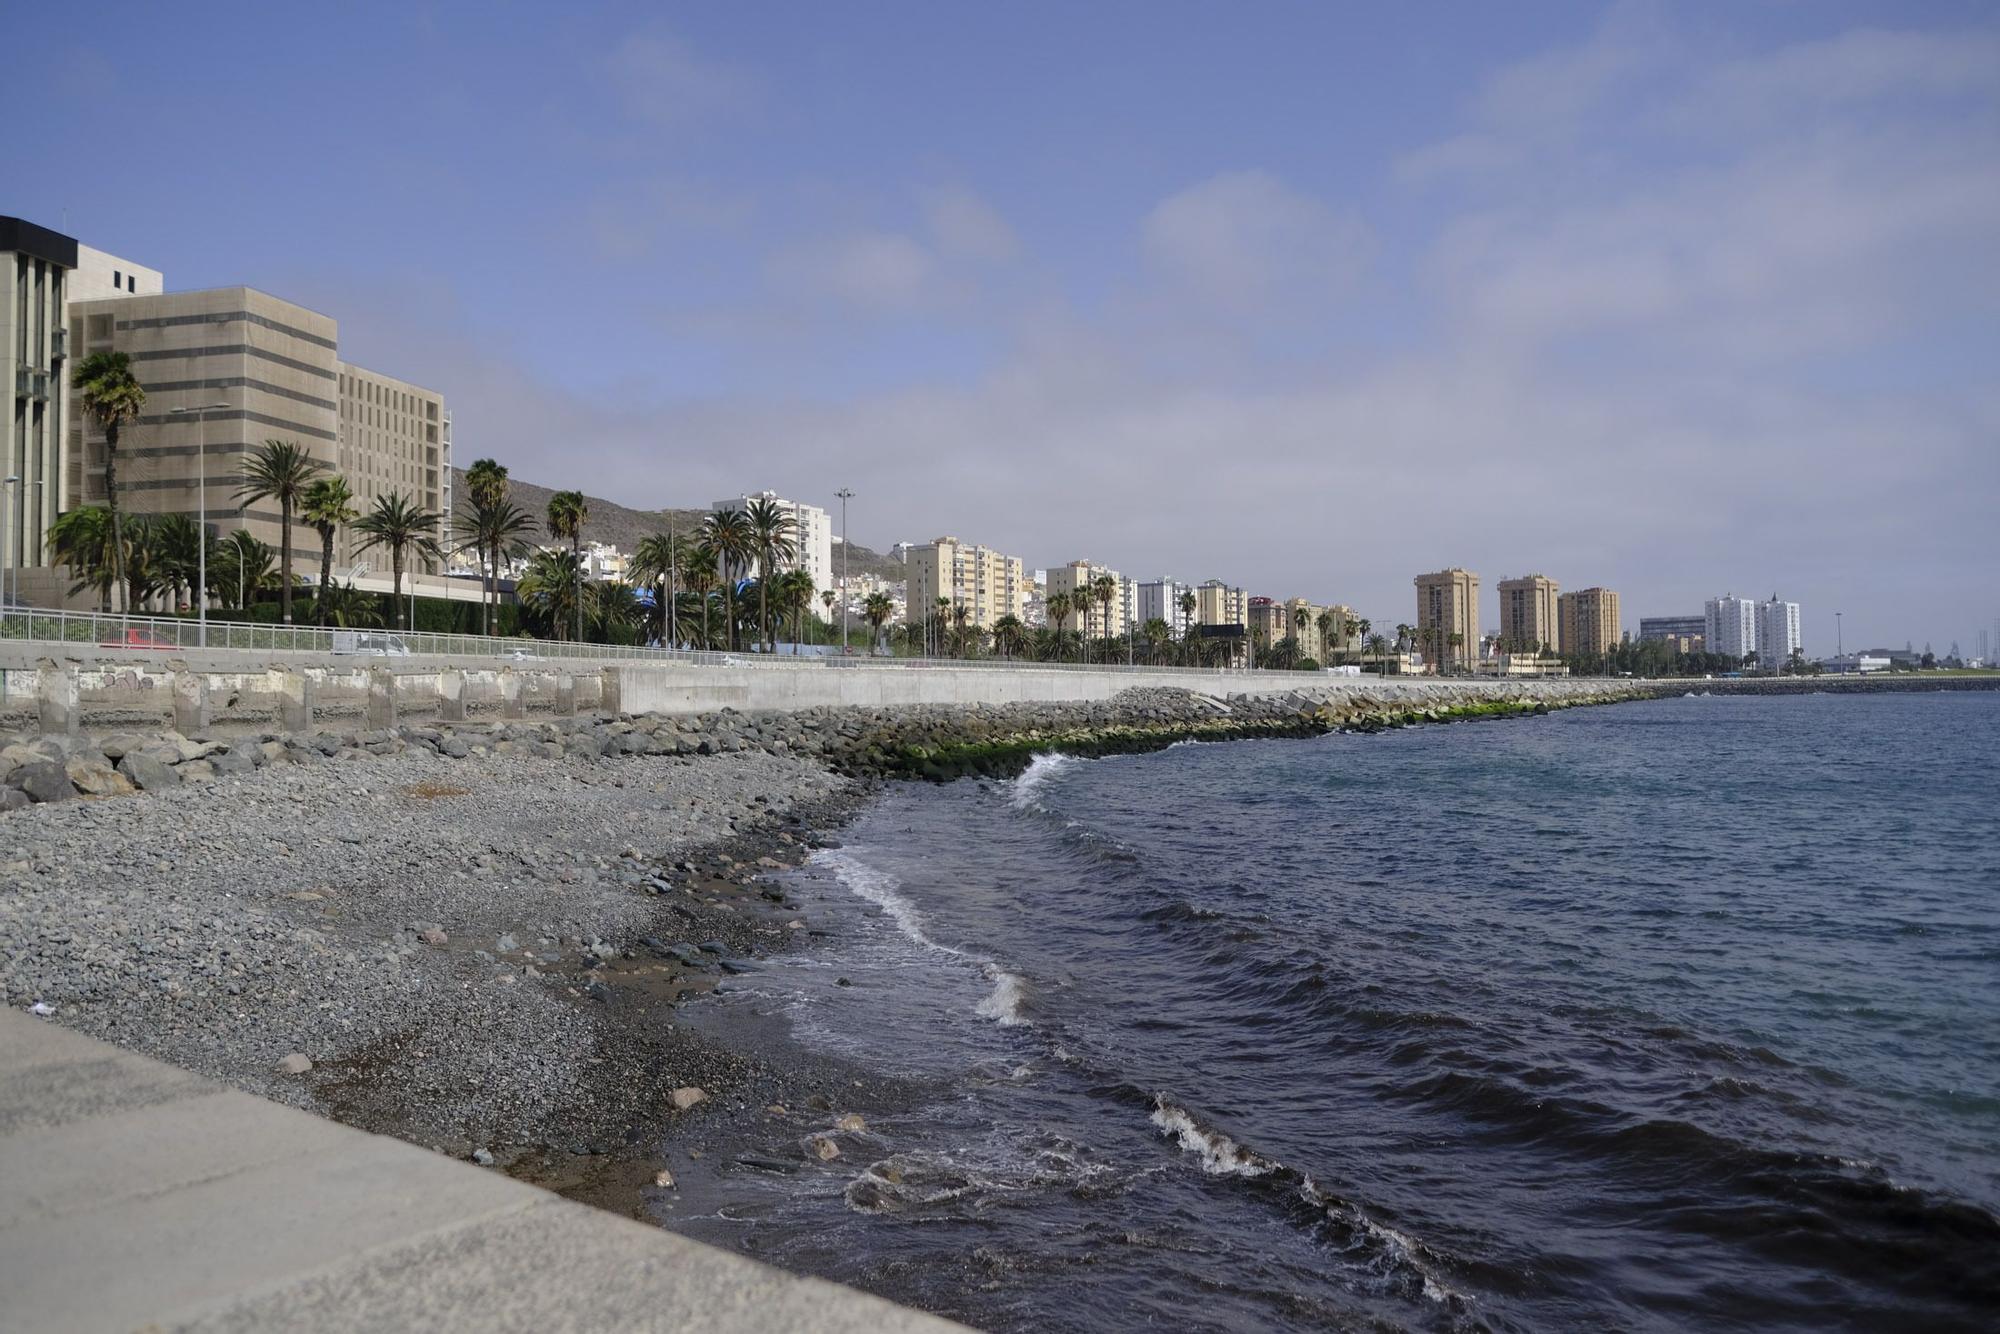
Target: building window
(131, 283)
(116, 281)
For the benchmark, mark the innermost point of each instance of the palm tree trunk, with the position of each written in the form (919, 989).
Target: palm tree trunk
(396, 583)
(325, 572)
(117, 520)
(576, 561)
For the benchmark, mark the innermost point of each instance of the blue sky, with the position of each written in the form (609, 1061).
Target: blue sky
(1680, 299)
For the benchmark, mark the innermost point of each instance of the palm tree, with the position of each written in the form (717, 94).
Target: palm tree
(1008, 632)
(327, 508)
(771, 529)
(111, 395)
(1104, 588)
(826, 601)
(280, 470)
(1157, 634)
(348, 608)
(652, 562)
(245, 561)
(876, 609)
(176, 543)
(961, 619)
(497, 530)
(568, 512)
(486, 486)
(728, 534)
(795, 597)
(1056, 609)
(701, 580)
(84, 540)
(406, 528)
(1355, 631)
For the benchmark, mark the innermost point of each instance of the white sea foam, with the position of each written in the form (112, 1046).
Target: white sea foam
(1040, 769)
(879, 888)
(1003, 1005)
(1221, 1156)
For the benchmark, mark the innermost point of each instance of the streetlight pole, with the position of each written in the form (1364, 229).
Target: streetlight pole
(201, 487)
(9, 528)
(1839, 641)
(845, 588)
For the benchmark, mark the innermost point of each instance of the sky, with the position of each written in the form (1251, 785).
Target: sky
(1678, 299)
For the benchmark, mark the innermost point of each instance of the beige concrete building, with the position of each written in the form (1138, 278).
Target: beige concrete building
(1528, 615)
(1589, 621)
(272, 365)
(1103, 621)
(274, 368)
(988, 584)
(394, 436)
(1219, 607)
(1448, 604)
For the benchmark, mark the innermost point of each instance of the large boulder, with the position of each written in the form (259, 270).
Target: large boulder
(148, 772)
(94, 777)
(43, 780)
(235, 760)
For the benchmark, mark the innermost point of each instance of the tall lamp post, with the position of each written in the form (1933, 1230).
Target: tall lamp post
(845, 496)
(9, 527)
(201, 490)
(1839, 641)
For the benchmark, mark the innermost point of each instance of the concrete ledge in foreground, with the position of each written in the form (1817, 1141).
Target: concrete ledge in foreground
(137, 1196)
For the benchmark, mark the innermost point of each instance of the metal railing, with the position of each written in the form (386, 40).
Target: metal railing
(169, 634)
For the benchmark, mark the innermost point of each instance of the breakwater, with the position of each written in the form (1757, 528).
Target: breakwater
(936, 742)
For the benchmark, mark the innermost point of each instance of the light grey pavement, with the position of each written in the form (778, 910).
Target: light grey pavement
(134, 1196)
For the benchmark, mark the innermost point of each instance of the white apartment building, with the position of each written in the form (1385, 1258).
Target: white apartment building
(1777, 633)
(1729, 626)
(99, 276)
(1160, 599)
(812, 534)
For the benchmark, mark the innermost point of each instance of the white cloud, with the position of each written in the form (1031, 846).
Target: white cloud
(660, 79)
(873, 270)
(1245, 241)
(964, 226)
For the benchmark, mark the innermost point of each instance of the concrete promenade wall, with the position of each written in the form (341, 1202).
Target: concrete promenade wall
(58, 688)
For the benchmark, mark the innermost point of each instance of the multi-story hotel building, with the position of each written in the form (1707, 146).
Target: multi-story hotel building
(1729, 626)
(1777, 633)
(244, 367)
(1079, 579)
(812, 534)
(1448, 602)
(394, 436)
(1589, 621)
(987, 584)
(1672, 627)
(1528, 615)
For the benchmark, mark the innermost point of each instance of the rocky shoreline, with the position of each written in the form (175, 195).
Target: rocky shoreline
(477, 938)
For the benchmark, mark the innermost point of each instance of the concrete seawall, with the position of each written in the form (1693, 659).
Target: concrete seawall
(52, 690)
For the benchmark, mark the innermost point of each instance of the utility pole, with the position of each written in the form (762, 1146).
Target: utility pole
(845, 588)
(201, 483)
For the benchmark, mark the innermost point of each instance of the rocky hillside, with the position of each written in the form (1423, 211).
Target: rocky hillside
(622, 527)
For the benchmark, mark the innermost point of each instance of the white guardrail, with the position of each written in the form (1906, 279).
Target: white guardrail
(80, 629)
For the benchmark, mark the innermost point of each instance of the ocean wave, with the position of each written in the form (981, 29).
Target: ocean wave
(1009, 993)
(881, 889)
(1039, 771)
(1221, 1156)
(1392, 1255)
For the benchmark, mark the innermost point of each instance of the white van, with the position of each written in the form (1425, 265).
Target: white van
(370, 643)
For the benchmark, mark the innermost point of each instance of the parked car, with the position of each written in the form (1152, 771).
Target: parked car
(370, 643)
(133, 637)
